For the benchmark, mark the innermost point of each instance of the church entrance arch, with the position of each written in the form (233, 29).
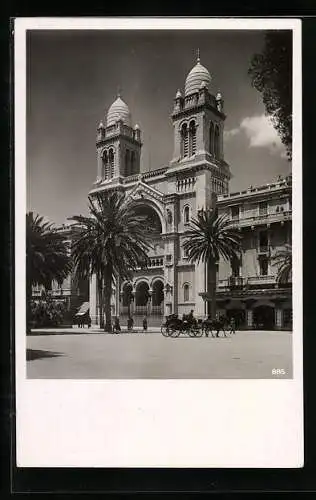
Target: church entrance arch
(142, 298)
(127, 298)
(157, 309)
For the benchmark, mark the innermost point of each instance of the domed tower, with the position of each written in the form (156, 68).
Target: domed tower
(118, 143)
(198, 120)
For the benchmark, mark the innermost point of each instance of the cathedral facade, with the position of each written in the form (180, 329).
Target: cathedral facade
(170, 196)
(197, 177)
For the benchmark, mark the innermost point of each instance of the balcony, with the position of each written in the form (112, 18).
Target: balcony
(240, 282)
(185, 185)
(156, 262)
(261, 280)
(236, 281)
(262, 219)
(153, 262)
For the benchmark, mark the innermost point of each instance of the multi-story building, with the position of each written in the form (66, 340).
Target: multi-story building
(248, 288)
(197, 177)
(71, 292)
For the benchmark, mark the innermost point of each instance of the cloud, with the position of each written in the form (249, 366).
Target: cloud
(231, 133)
(260, 132)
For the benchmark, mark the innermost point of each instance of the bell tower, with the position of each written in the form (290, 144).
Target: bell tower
(198, 120)
(118, 144)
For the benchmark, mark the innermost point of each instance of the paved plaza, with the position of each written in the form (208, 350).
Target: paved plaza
(74, 355)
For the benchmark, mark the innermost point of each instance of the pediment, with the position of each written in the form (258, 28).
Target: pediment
(143, 191)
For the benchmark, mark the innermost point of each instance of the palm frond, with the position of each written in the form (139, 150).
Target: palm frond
(210, 237)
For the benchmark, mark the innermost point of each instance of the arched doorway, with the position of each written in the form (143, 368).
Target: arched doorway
(263, 317)
(239, 316)
(127, 297)
(141, 298)
(157, 301)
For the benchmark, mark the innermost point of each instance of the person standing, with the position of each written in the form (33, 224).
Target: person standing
(145, 324)
(130, 324)
(117, 326)
(232, 325)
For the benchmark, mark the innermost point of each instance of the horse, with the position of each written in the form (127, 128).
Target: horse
(208, 325)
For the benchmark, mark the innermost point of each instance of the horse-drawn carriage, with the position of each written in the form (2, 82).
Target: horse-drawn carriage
(82, 317)
(174, 326)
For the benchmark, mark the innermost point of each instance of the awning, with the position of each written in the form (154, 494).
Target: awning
(84, 308)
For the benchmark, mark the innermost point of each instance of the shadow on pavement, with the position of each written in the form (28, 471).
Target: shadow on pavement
(32, 354)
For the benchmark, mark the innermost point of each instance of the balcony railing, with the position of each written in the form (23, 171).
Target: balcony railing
(262, 219)
(241, 282)
(236, 281)
(185, 185)
(156, 262)
(261, 280)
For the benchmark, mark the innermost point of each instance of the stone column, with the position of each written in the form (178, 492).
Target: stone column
(149, 302)
(167, 303)
(132, 302)
(200, 287)
(170, 275)
(99, 163)
(249, 318)
(93, 300)
(278, 315)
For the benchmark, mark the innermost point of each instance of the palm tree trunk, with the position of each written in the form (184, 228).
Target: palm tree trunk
(211, 288)
(107, 299)
(100, 296)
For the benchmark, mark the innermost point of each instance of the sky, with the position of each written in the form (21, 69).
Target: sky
(73, 78)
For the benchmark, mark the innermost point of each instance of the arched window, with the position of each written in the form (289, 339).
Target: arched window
(192, 138)
(184, 141)
(105, 165)
(216, 142)
(111, 163)
(186, 214)
(211, 148)
(186, 292)
(127, 162)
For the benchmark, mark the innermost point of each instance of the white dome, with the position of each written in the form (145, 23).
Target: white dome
(118, 111)
(198, 75)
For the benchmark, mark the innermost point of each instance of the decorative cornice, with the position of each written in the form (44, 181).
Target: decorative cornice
(115, 137)
(176, 114)
(285, 293)
(177, 169)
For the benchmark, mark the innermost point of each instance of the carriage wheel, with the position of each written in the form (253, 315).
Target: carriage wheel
(208, 332)
(198, 332)
(174, 333)
(165, 331)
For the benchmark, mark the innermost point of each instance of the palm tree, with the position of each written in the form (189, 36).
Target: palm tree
(210, 237)
(47, 257)
(110, 243)
(283, 260)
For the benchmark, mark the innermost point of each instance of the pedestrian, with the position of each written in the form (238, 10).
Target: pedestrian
(130, 323)
(116, 326)
(232, 325)
(145, 323)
